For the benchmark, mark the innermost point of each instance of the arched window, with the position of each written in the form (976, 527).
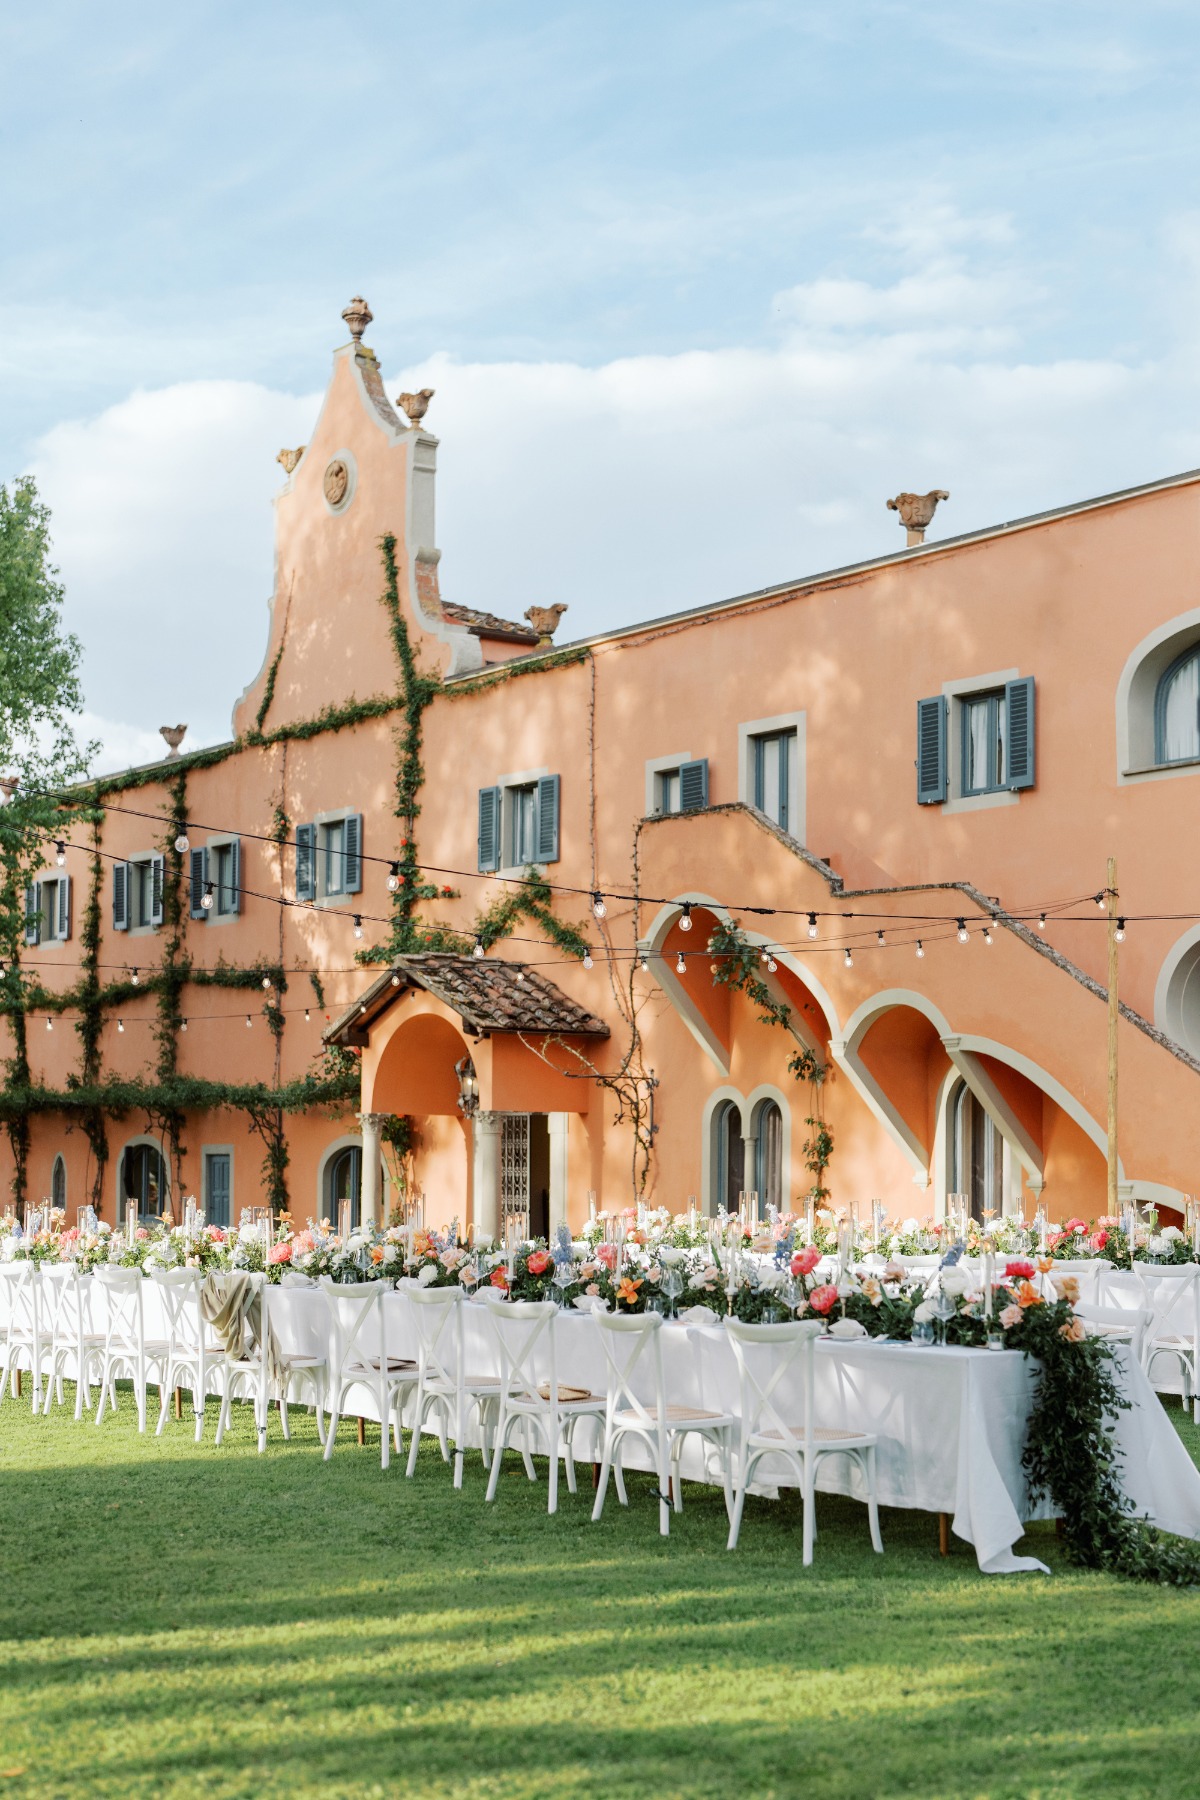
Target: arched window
(343, 1181)
(768, 1156)
(975, 1165)
(729, 1156)
(1177, 711)
(58, 1183)
(143, 1184)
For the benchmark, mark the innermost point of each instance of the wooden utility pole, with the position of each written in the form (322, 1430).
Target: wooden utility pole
(1113, 1016)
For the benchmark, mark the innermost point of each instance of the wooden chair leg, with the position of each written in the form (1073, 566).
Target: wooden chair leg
(595, 1476)
(943, 1534)
(362, 1430)
(179, 1403)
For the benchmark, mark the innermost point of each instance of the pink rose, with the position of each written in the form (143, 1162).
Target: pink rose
(805, 1261)
(607, 1254)
(823, 1299)
(1012, 1315)
(591, 1288)
(141, 1234)
(279, 1253)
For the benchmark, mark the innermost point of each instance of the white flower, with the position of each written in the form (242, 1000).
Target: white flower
(910, 1226)
(923, 1314)
(670, 1256)
(1173, 1234)
(955, 1280)
(427, 1274)
(1157, 1246)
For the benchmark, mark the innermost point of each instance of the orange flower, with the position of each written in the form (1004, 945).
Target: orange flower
(1067, 1288)
(627, 1289)
(1074, 1331)
(1027, 1295)
(1045, 1264)
(377, 1253)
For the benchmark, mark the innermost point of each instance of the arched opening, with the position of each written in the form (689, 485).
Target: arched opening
(343, 1181)
(1177, 996)
(1177, 710)
(975, 1163)
(58, 1184)
(729, 1156)
(768, 1155)
(143, 1184)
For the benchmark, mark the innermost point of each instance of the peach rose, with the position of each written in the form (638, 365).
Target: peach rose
(279, 1253)
(1011, 1316)
(1074, 1331)
(1067, 1288)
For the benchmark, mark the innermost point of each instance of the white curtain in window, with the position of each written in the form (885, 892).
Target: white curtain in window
(977, 745)
(1181, 714)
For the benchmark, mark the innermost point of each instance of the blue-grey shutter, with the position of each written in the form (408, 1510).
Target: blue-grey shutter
(306, 862)
(64, 906)
(1018, 697)
(352, 838)
(489, 830)
(33, 912)
(236, 874)
(156, 890)
(931, 750)
(693, 785)
(197, 881)
(121, 896)
(547, 818)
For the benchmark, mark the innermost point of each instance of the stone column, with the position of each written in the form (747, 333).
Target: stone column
(485, 1145)
(372, 1150)
(558, 1124)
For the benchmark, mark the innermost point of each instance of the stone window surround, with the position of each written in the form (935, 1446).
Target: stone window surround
(955, 692)
(797, 801)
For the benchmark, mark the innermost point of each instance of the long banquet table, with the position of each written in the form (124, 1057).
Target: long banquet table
(951, 1422)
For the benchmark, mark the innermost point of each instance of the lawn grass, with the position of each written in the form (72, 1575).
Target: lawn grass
(178, 1621)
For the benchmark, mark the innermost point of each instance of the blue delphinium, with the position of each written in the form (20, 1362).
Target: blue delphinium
(563, 1252)
(784, 1248)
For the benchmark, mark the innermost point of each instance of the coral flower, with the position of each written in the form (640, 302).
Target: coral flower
(627, 1289)
(823, 1299)
(1045, 1264)
(607, 1254)
(1098, 1240)
(1074, 1331)
(376, 1253)
(539, 1261)
(279, 1253)
(1027, 1295)
(499, 1278)
(805, 1261)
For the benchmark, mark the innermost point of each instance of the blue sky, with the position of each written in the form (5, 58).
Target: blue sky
(698, 287)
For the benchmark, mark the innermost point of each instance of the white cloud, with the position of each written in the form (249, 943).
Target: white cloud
(637, 487)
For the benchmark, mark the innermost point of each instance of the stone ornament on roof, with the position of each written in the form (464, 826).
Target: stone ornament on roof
(544, 619)
(173, 736)
(916, 511)
(289, 458)
(415, 406)
(358, 316)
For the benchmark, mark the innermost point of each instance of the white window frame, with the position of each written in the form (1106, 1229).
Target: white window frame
(522, 778)
(956, 692)
(1137, 693)
(796, 722)
(141, 860)
(656, 768)
(207, 1150)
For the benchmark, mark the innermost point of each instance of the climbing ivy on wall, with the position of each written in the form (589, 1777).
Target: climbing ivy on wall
(163, 1095)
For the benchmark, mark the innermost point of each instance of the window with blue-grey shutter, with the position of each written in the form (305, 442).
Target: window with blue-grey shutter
(120, 897)
(931, 750)
(197, 882)
(693, 785)
(352, 853)
(1019, 701)
(488, 842)
(547, 819)
(306, 862)
(33, 913)
(64, 906)
(156, 890)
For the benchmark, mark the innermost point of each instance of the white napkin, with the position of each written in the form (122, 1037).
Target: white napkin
(293, 1278)
(588, 1303)
(847, 1328)
(699, 1315)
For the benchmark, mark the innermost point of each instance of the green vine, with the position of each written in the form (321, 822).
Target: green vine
(532, 900)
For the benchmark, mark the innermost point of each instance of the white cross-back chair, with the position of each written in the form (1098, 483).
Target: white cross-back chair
(26, 1341)
(1171, 1294)
(531, 1396)
(360, 1358)
(76, 1349)
(1130, 1323)
(443, 1385)
(127, 1349)
(632, 1343)
(250, 1374)
(195, 1357)
(769, 1358)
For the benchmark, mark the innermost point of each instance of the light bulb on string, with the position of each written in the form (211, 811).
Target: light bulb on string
(1101, 901)
(49, 1024)
(849, 960)
(764, 954)
(963, 933)
(881, 940)
(358, 925)
(920, 948)
(520, 977)
(477, 952)
(1041, 921)
(60, 853)
(267, 982)
(598, 906)
(249, 1022)
(182, 843)
(680, 965)
(1119, 934)
(183, 1024)
(206, 898)
(136, 979)
(395, 981)
(812, 925)
(121, 1025)
(587, 960)
(987, 935)
(644, 964)
(393, 880)
(685, 923)
(307, 1016)
(772, 965)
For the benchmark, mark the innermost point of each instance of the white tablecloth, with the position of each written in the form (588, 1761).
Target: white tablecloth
(951, 1422)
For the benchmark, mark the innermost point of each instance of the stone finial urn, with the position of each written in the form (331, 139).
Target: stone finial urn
(916, 511)
(174, 735)
(544, 619)
(358, 316)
